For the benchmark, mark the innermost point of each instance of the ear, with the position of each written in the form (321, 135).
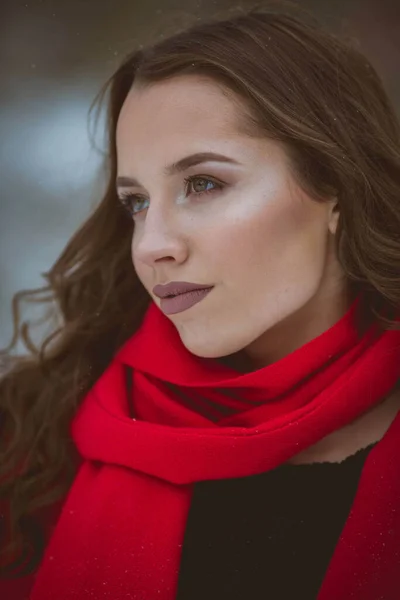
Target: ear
(334, 215)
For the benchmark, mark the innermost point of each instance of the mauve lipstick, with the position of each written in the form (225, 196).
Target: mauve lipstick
(177, 304)
(177, 296)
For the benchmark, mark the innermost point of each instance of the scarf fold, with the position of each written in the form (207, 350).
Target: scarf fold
(121, 529)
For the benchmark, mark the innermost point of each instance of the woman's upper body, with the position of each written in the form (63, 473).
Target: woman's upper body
(298, 218)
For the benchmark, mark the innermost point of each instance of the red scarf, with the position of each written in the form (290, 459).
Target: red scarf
(121, 529)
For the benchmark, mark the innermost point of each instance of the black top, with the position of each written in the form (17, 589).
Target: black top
(269, 536)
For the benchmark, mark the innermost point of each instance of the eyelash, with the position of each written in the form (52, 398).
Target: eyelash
(127, 199)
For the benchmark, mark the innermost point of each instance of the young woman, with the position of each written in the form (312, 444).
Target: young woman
(218, 415)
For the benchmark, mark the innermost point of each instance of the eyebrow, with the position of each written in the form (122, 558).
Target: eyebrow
(180, 166)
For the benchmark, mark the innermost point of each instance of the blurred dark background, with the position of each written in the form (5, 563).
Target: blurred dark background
(54, 57)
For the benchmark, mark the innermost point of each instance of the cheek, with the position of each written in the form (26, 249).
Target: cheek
(281, 243)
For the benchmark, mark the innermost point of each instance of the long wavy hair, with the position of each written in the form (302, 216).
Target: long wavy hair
(302, 86)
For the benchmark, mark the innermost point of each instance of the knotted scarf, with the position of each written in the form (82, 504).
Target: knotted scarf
(160, 419)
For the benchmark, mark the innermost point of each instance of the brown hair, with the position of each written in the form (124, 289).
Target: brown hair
(300, 85)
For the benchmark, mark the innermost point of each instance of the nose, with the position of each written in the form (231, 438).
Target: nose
(159, 240)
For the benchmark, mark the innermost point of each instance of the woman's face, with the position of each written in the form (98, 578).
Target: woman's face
(264, 245)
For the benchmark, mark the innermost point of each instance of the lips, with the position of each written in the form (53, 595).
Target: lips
(187, 292)
(177, 288)
(182, 302)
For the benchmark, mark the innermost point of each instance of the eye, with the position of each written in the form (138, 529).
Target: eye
(132, 202)
(128, 201)
(190, 181)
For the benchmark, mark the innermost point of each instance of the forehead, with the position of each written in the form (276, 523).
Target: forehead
(187, 107)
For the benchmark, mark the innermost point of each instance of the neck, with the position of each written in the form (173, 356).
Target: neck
(293, 332)
(311, 320)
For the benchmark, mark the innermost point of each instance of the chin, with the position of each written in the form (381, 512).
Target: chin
(212, 346)
(203, 351)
